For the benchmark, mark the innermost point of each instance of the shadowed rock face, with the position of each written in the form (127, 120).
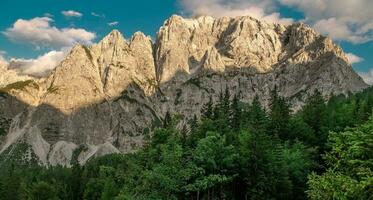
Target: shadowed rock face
(103, 99)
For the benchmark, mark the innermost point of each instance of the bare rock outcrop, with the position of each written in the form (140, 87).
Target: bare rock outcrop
(106, 98)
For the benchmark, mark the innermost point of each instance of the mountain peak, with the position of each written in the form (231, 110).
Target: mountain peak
(139, 36)
(113, 38)
(110, 92)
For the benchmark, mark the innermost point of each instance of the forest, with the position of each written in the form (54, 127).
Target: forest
(234, 150)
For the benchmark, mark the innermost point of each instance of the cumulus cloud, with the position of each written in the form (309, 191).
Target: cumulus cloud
(340, 19)
(71, 13)
(348, 20)
(39, 66)
(113, 23)
(40, 33)
(260, 9)
(354, 58)
(339, 30)
(367, 76)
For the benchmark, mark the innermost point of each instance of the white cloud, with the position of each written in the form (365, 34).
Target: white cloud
(3, 61)
(367, 76)
(48, 15)
(113, 23)
(339, 30)
(39, 66)
(2, 53)
(348, 20)
(97, 15)
(260, 9)
(40, 33)
(71, 13)
(354, 58)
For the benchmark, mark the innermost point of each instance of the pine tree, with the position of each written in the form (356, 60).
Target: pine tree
(262, 167)
(207, 109)
(235, 114)
(76, 182)
(110, 190)
(43, 190)
(221, 113)
(362, 111)
(279, 115)
(313, 113)
(167, 120)
(226, 100)
(193, 124)
(257, 117)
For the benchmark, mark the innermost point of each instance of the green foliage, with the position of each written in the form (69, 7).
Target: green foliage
(19, 154)
(207, 109)
(261, 166)
(235, 114)
(20, 85)
(314, 115)
(11, 187)
(350, 166)
(279, 115)
(333, 185)
(236, 150)
(42, 190)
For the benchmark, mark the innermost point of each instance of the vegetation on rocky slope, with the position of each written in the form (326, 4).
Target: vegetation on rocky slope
(233, 151)
(20, 85)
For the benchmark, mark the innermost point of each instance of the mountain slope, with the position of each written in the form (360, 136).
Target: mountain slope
(102, 99)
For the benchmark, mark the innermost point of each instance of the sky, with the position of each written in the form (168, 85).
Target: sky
(36, 35)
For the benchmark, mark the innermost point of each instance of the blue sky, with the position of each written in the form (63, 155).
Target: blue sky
(144, 15)
(88, 21)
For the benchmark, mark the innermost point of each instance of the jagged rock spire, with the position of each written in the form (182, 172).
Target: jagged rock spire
(111, 92)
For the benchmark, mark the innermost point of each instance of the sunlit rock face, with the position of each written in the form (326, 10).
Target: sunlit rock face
(8, 76)
(107, 97)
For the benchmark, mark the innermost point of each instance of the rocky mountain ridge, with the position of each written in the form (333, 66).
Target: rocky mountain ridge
(103, 98)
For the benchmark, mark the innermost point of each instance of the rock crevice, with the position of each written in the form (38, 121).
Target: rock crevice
(106, 98)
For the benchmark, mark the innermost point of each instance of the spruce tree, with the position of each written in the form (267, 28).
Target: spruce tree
(226, 100)
(76, 181)
(279, 115)
(207, 109)
(258, 121)
(235, 114)
(313, 113)
(167, 120)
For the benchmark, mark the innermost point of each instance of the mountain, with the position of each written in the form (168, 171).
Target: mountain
(106, 98)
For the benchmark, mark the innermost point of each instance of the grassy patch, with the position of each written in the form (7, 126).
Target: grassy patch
(20, 85)
(88, 52)
(52, 89)
(19, 154)
(77, 152)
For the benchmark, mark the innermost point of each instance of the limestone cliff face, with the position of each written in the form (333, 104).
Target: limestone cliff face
(8, 76)
(240, 42)
(121, 63)
(105, 98)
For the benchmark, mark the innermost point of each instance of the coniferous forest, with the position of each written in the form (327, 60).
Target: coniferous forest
(234, 150)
